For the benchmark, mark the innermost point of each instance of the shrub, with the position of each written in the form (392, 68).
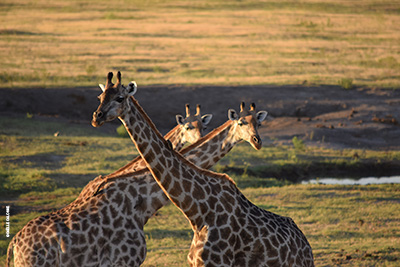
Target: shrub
(298, 144)
(346, 83)
(121, 131)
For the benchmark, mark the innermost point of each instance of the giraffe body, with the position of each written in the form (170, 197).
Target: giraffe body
(88, 232)
(228, 229)
(235, 232)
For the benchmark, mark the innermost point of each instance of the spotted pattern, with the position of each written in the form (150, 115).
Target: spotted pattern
(88, 232)
(188, 130)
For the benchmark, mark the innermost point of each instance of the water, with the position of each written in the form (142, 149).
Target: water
(361, 181)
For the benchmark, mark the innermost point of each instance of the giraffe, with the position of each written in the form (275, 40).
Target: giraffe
(229, 230)
(239, 127)
(133, 208)
(192, 126)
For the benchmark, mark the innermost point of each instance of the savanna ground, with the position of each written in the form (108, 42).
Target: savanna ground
(332, 69)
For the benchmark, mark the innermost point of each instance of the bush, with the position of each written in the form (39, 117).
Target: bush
(121, 131)
(298, 144)
(346, 83)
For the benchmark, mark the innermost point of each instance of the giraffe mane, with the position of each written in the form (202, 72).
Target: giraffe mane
(168, 135)
(148, 120)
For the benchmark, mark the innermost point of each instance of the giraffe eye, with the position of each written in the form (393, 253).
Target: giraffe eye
(240, 123)
(120, 99)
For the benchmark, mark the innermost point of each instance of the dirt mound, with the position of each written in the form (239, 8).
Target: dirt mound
(323, 115)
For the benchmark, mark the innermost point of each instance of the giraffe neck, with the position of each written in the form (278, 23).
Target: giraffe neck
(204, 153)
(152, 147)
(212, 147)
(175, 136)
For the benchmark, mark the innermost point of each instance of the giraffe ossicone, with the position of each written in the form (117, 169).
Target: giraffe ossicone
(196, 123)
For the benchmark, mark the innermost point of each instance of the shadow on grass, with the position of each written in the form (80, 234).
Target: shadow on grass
(48, 161)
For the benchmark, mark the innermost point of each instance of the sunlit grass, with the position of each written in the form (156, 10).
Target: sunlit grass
(75, 43)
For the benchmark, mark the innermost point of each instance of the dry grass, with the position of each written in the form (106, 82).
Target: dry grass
(74, 43)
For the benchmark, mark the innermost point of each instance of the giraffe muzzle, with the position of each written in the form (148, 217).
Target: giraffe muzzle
(97, 119)
(256, 142)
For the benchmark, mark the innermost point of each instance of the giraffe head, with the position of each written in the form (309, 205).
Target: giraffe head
(113, 100)
(247, 123)
(193, 125)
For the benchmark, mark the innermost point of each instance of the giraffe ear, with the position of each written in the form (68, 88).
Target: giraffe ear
(102, 87)
(180, 119)
(232, 115)
(261, 115)
(206, 119)
(132, 88)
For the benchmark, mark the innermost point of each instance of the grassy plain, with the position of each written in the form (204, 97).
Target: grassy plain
(74, 43)
(346, 225)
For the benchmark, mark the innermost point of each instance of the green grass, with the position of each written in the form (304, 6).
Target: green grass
(75, 43)
(33, 159)
(346, 83)
(346, 225)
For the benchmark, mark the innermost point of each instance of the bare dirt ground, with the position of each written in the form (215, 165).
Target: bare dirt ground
(322, 116)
